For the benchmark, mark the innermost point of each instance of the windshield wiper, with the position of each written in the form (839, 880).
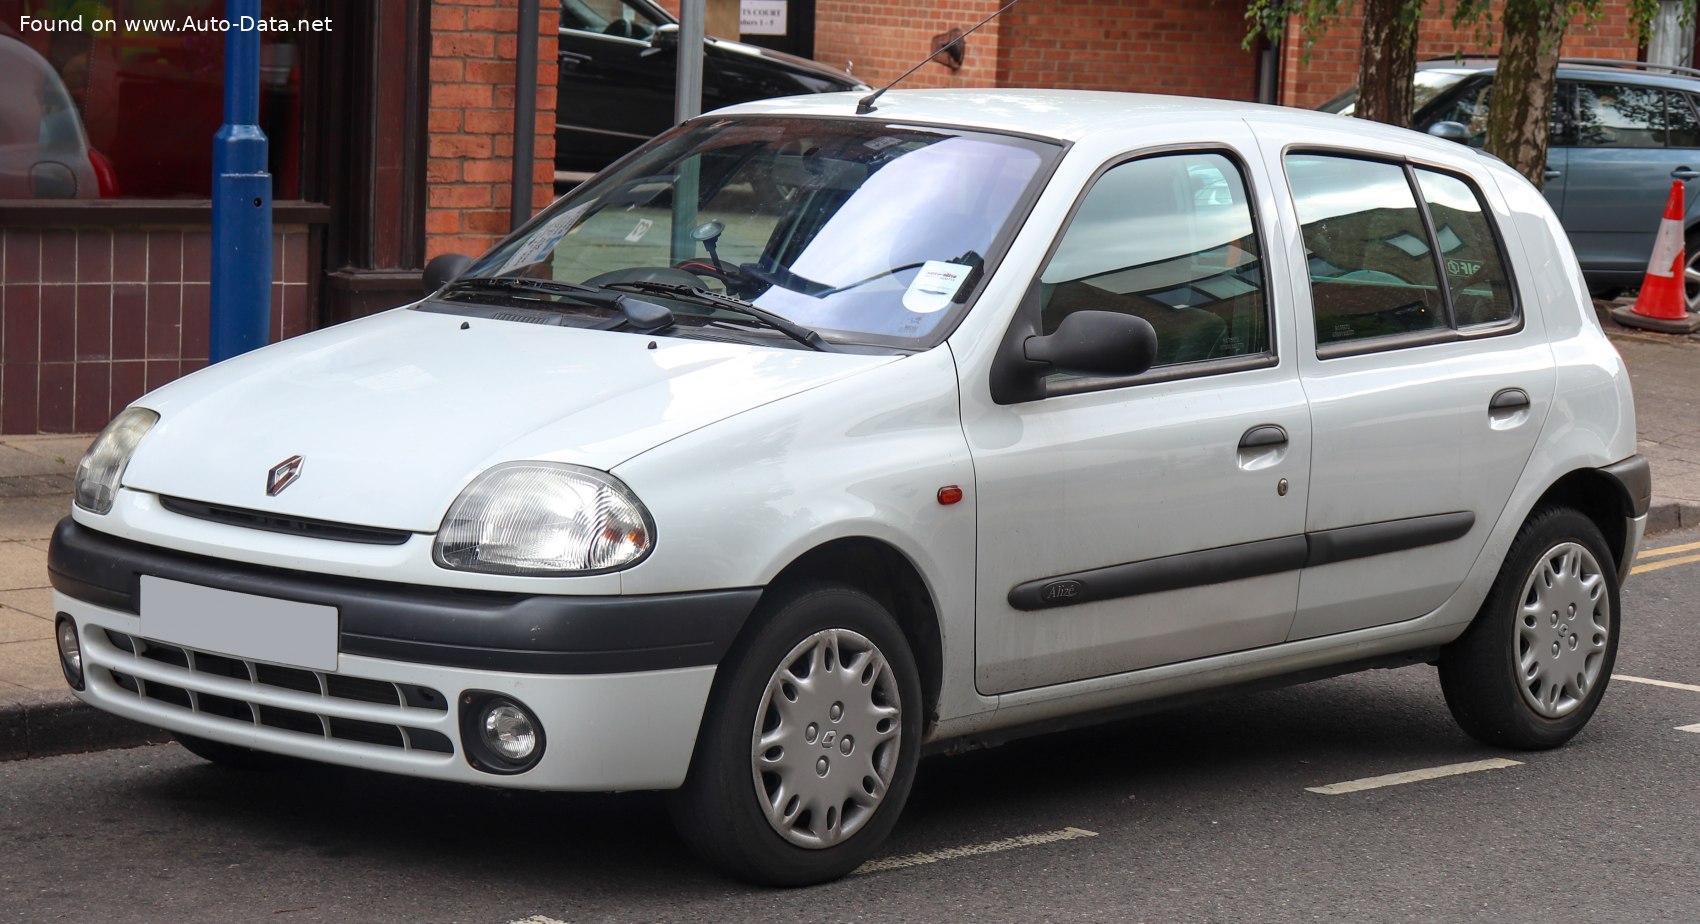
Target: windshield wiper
(702, 296)
(642, 315)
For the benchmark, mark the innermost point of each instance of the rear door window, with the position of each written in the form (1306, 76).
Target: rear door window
(1380, 238)
(1620, 116)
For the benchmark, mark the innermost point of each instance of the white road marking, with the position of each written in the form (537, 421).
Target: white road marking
(1664, 563)
(1412, 776)
(1658, 683)
(1669, 550)
(537, 919)
(972, 850)
(1689, 728)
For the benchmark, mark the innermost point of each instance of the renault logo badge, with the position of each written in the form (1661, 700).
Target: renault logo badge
(283, 475)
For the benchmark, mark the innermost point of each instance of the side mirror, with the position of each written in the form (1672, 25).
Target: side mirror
(664, 38)
(1096, 343)
(1451, 131)
(443, 270)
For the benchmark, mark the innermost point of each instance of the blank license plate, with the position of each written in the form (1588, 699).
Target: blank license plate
(240, 625)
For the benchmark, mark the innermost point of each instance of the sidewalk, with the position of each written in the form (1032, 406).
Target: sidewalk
(38, 715)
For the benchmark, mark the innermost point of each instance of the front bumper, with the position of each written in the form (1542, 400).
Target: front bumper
(618, 684)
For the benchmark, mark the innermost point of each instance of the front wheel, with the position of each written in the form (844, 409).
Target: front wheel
(1532, 668)
(809, 744)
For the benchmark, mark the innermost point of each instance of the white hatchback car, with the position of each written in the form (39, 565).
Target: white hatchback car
(802, 441)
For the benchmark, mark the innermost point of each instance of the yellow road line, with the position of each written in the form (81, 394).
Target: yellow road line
(1665, 563)
(1413, 776)
(1669, 550)
(1658, 683)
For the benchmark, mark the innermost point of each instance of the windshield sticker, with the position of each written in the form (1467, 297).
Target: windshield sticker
(935, 287)
(638, 232)
(542, 241)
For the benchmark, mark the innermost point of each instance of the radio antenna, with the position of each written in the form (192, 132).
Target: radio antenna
(865, 105)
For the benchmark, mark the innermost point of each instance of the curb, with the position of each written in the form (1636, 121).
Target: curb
(1665, 515)
(46, 724)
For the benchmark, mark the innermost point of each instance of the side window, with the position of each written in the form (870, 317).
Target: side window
(1469, 252)
(1372, 271)
(1470, 109)
(608, 17)
(1169, 238)
(1616, 116)
(1684, 128)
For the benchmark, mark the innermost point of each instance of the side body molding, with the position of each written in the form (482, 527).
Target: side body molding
(1236, 562)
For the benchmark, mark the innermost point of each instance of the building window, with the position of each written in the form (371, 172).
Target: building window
(145, 91)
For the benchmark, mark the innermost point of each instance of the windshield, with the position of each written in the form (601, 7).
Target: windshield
(1428, 85)
(861, 230)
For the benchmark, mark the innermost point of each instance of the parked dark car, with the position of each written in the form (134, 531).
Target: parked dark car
(1621, 131)
(618, 70)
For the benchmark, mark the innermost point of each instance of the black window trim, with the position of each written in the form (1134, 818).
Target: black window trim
(1269, 357)
(1452, 333)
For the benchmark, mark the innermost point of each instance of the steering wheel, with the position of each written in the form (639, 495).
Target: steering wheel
(667, 274)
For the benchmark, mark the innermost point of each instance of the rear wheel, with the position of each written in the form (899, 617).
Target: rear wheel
(1532, 668)
(236, 758)
(809, 744)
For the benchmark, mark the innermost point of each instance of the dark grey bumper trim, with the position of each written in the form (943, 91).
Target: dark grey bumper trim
(1636, 475)
(519, 633)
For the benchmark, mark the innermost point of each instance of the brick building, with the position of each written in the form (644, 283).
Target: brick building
(392, 142)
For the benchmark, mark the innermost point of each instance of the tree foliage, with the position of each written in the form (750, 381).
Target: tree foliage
(1529, 37)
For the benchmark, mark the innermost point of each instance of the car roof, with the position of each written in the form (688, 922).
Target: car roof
(1063, 115)
(1628, 72)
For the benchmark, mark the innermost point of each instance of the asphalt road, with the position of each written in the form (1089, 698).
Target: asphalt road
(1199, 814)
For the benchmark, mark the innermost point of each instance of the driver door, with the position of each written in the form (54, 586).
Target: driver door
(1127, 523)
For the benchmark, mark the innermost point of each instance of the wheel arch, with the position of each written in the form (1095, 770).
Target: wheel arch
(1601, 498)
(883, 572)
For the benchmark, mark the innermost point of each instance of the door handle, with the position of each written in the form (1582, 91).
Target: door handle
(1509, 399)
(1552, 174)
(1685, 173)
(573, 58)
(1263, 435)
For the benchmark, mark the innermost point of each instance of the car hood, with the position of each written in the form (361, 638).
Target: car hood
(394, 414)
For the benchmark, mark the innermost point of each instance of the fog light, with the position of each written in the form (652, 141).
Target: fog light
(508, 731)
(498, 733)
(70, 651)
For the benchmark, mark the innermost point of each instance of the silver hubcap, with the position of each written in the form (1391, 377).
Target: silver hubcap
(1691, 281)
(1562, 630)
(826, 738)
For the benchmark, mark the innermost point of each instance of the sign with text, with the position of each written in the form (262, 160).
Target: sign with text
(761, 17)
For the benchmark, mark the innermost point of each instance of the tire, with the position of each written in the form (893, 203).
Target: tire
(234, 757)
(1557, 588)
(845, 795)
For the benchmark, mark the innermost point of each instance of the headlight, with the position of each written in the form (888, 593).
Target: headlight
(103, 465)
(544, 518)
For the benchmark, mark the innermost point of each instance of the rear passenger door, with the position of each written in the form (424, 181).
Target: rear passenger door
(1626, 146)
(1427, 384)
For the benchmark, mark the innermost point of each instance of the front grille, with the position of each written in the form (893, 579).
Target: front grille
(274, 523)
(196, 673)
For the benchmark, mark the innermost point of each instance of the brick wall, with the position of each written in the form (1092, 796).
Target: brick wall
(879, 41)
(91, 318)
(1145, 46)
(1333, 65)
(470, 122)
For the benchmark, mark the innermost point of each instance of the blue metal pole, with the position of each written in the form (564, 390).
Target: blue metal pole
(241, 198)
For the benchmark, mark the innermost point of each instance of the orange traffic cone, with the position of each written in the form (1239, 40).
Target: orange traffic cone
(1662, 304)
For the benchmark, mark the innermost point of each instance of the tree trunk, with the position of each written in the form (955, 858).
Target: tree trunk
(1387, 61)
(1519, 119)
